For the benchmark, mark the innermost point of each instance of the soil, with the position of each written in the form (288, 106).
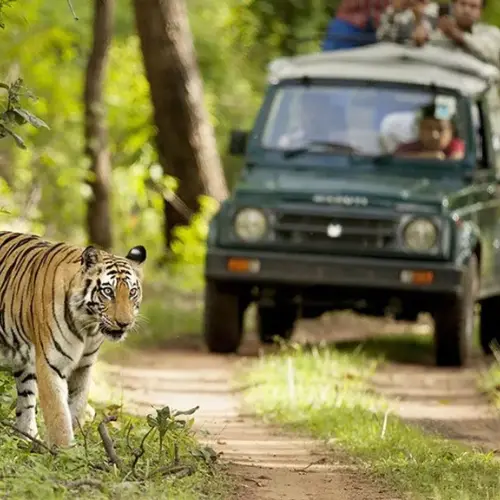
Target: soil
(266, 462)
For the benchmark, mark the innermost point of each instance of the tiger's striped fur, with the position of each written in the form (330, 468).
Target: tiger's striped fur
(58, 303)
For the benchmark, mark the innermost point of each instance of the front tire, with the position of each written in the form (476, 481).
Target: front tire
(223, 319)
(454, 323)
(277, 321)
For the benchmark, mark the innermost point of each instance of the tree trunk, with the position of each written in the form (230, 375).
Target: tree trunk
(96, 134)
(185, 139)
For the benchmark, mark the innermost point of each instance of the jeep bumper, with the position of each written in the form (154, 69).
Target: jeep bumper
(266, 268)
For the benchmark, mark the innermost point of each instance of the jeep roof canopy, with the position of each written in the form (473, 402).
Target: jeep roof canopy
(388, 62)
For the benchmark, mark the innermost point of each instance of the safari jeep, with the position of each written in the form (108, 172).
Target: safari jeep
(328, 213)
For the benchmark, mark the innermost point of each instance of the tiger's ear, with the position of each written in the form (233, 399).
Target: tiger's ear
(137, 255)
(90, 257)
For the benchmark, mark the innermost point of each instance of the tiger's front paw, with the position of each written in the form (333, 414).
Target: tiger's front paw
(61, 440)
(26, 429)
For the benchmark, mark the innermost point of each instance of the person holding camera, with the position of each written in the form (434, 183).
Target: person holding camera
(403, 18)
(460, 28)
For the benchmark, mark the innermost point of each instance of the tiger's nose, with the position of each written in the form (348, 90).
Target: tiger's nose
(122, 324)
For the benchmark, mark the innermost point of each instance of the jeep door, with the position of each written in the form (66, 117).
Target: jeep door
(486, 197)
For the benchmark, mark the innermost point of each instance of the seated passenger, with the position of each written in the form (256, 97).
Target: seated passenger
(462, 29)
(354, 25)
(397, 128)
(436, 138)
(401, 19)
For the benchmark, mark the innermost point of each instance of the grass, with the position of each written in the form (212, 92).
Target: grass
(325, 392)
(158, 458)
(489, 380)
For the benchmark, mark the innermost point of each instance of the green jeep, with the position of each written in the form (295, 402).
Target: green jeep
(330, 213)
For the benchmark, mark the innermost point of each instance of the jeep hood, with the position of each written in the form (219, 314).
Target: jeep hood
(379, 188)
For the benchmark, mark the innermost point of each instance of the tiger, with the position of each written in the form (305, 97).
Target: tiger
(58, 303)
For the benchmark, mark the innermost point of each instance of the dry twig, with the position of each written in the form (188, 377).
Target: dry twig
(93, 483)
(179, 471)
(107, 441)
(140, 452)
(36, 441)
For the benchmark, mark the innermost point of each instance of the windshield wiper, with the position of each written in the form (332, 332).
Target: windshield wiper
(333, 146)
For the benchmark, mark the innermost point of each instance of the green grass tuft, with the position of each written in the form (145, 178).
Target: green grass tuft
(159, 457)
(326, 393)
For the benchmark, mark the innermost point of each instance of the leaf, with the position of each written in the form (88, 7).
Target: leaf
(186, 412)
(164, 412)
(151, 421)
(30, 118)
(18, 139)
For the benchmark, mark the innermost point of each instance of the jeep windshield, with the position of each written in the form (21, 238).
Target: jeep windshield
(376, 121)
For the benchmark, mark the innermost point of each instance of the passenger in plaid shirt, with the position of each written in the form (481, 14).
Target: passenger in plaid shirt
(462, 30)
(407, 21)
(355, 24)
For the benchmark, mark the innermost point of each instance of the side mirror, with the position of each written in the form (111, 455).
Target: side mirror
(238, 142)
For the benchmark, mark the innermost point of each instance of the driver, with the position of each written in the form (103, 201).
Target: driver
(436, 137)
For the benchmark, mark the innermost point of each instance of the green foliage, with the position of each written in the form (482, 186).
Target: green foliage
(13, 115)
(489, 380)
(116, 456)
(3, 4)
(285, 27)
(190, 240)
(44, 188)
(327, 393)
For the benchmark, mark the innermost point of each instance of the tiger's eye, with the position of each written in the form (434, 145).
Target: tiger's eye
(107, 291)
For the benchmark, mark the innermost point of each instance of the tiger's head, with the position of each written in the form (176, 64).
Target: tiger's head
(111, 290)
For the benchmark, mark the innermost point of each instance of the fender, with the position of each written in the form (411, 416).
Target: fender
(467, 237)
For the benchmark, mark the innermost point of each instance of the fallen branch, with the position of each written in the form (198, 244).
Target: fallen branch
(107, 441)
(179, 471)
(93, 483)
(34, 440)
(252, 480)
(316, 462)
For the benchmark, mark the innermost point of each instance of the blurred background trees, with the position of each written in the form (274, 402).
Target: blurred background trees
(49, 186)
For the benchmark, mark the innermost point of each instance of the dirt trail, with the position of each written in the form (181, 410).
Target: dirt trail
(269, 464)
(443, 400)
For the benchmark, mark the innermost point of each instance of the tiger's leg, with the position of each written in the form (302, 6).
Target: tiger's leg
(78, 388)
(79, 384)
(27, 389)
(53, 390)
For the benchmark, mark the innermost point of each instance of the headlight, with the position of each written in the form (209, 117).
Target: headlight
(420, 235)
(250, 224)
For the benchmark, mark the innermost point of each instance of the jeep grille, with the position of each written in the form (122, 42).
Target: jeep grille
(363, 232)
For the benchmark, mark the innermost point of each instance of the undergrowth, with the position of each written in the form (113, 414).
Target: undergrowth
(115, 456)
(326, 393)
(489, 379)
